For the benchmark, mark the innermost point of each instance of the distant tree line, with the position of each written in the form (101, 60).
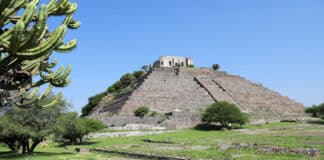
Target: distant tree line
(316, 110)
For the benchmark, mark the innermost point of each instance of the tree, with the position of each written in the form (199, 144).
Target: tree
(92, 102)
(141, 112)
(138, 74)
(321, 109)
(215, 67)
(144, 68)
(127, 79)
(316, 110)
(25, 128)
(72, 128)
(26, 45)
(223, 113)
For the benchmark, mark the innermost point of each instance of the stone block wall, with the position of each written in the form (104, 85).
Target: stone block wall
(164, 91)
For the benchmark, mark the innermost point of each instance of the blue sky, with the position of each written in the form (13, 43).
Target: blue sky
(279, 43)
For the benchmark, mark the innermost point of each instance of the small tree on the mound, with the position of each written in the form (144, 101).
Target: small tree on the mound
(223, 113)
(127, 79)
(138, 74)
(141, 112)
(71, 128)
(215, 67)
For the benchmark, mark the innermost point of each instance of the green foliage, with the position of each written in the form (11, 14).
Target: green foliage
(153, 114)
(186, 138)
(145, 68)
(19, 127)
(115, 87)
(177, 71)
(141, 112)
(191, 66)
(96, 99)
(72, 128)
(215, 67)
(316, 110)
(224, 113)
(127, 79)
(26, 44)
(121, 87)
(138, 74)
(93, 102)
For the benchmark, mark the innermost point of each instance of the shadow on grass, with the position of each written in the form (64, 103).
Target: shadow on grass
(207, 127)
(10, 155)
(76, 144)
(321, 122)
(212, 127)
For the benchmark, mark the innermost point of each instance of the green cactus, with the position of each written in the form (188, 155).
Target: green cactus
(26, 45)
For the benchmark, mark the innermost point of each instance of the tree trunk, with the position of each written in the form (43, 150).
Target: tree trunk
(27, 145)
(80, 140)
(14, 147)
(33, 146)
(24, 143)
(24, 148)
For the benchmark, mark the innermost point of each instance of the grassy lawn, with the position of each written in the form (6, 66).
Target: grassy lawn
(196, 144)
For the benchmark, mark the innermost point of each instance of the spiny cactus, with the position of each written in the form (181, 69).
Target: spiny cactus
(26, 44)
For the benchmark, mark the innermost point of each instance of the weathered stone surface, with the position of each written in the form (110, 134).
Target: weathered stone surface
(190, 92)
(314, 152)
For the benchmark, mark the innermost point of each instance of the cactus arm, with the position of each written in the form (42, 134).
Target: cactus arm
(54, 102)
(26, 45)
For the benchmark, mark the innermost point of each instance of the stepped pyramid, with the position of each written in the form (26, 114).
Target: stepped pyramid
(188, 91)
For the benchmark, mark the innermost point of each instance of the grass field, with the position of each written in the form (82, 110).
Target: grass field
(195, 144)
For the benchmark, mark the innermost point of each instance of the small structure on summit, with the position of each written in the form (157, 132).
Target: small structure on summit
(173, 61)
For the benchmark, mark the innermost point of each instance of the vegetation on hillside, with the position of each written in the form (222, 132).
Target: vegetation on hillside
(141, 112)
(215, 67)
(125, 84)
(26, 45)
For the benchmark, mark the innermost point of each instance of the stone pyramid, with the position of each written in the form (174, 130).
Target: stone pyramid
(186, 92)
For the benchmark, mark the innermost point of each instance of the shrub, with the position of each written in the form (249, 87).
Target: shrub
(69, 127)
(117, 85)
(127, 79)
(224, 113)
(111, 89)
(138, 74)
(191, 66)
(153, 114)
(92, 102)
(215, 67)
(177, 70)
(141, 112)
(144, 68)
